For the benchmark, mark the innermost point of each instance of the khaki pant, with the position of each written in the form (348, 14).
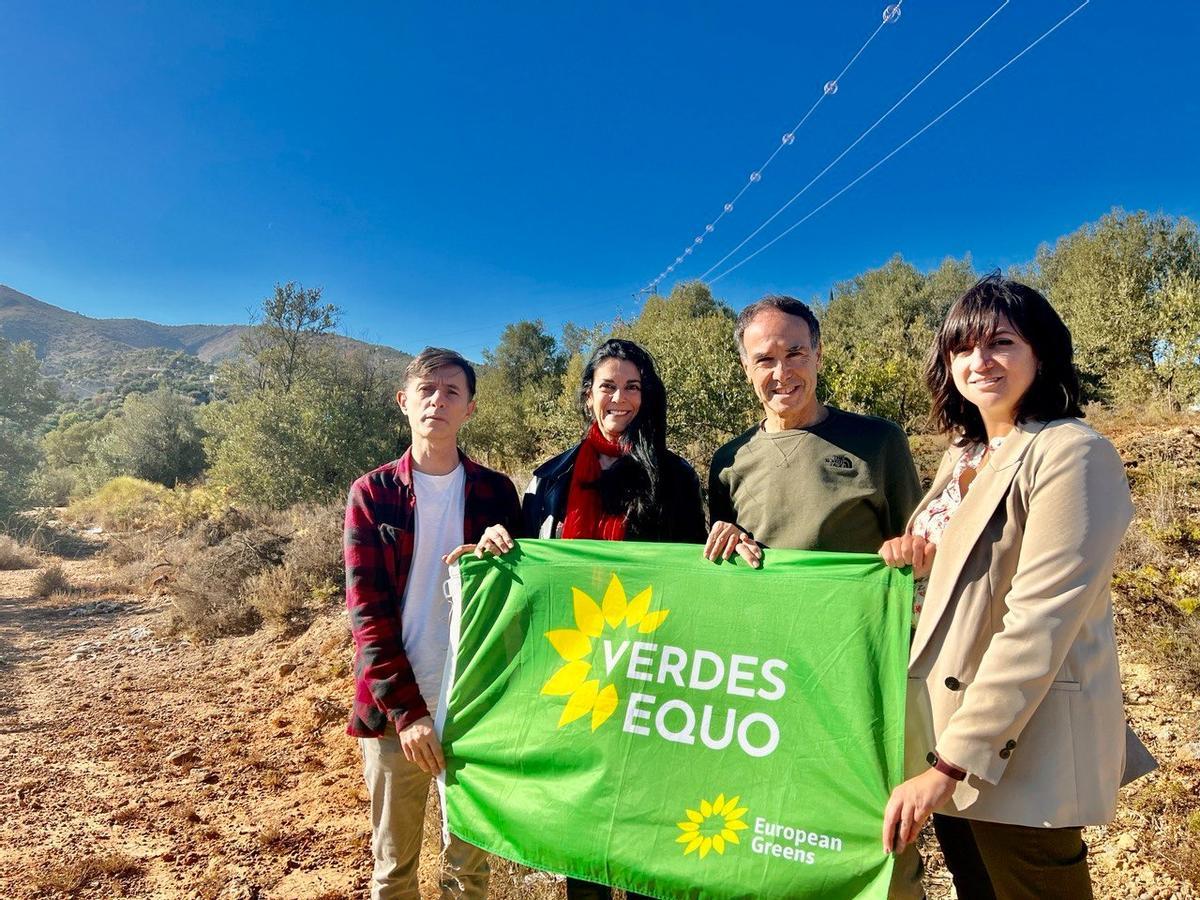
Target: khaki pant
(398, 790)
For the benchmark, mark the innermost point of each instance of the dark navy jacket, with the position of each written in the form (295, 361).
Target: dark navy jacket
(544, 505)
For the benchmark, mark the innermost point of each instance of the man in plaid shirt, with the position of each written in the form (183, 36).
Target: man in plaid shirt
(402, 522)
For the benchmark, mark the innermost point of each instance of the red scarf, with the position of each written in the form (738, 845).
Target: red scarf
(586, 517)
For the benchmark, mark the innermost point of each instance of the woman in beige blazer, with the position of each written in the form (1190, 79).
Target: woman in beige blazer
(1016, 731)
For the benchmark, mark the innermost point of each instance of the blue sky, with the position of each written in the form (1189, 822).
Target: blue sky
(443, 169)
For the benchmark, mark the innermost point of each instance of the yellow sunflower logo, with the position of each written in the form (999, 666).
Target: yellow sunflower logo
(574, 645)
(712, 826)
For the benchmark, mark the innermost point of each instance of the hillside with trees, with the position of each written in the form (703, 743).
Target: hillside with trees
(296, 411)
(102, 361)
(184, 545)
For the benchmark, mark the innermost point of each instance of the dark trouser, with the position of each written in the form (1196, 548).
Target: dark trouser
(990, 861)
(585, 890)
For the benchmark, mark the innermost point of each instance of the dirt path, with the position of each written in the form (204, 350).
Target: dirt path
(136, 765)
(148, 767)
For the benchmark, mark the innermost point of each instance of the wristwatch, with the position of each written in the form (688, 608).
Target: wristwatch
(946, 768)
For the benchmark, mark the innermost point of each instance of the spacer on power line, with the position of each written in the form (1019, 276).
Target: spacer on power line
(891, 12)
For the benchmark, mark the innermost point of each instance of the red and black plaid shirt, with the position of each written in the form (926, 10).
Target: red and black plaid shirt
(381, 518)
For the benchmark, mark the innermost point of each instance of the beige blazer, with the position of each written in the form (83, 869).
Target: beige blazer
(1013, 673)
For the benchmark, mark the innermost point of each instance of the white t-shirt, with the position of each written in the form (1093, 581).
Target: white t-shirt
(425, 615)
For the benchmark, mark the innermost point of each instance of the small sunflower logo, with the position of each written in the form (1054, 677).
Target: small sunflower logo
(574, 645)
(712, 826)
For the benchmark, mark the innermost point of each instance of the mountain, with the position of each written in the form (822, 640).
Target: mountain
(91, 357)
(56, 332)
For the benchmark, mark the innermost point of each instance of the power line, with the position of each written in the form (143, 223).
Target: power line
(855, 181)
(855, 143)
(901, 146)
(890, 14)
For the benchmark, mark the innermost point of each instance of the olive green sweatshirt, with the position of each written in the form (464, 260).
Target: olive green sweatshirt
(847, 484)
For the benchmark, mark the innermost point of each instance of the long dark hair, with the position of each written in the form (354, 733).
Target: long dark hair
(973, 318)
(633, 485)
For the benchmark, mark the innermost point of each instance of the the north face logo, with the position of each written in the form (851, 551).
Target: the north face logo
(839, 462)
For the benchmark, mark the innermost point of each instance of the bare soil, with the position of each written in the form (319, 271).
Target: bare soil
(137, 764)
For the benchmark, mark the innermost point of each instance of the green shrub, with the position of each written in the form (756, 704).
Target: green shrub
(54, 487)
(25, 397)
(156, 437)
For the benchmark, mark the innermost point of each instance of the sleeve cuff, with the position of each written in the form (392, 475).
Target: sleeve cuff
(406, 718)
(985, 761)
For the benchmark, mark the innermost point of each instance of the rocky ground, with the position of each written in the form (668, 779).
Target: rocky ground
(137, 764)
(134, 765)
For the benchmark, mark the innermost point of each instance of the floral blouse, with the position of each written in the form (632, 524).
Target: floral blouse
(931, 522)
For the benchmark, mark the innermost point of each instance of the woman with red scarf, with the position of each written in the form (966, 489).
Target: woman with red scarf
(620, 483)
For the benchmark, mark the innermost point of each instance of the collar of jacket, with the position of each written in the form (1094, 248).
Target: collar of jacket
(557, 466)
(404, 467)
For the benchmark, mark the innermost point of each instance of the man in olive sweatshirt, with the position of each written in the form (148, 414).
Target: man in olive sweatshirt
(809, 476)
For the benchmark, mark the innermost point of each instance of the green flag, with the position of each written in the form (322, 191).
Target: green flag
(632, 714)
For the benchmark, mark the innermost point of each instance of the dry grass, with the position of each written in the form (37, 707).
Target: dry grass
(131, 548)
(126, 504)
(1148, 417)
(122, 504)
(212, 885)
(283, 571)
(227, 570)
(310, 575)
(209, 599)
(274, 838)
(1156, 589)
(1157, 574)
(51, 580)
(290, 595)
(286, 597)
(126, 813)
(14, 556)
(70, 877)
(1169, 809)
(41, 533)
(186, 812)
